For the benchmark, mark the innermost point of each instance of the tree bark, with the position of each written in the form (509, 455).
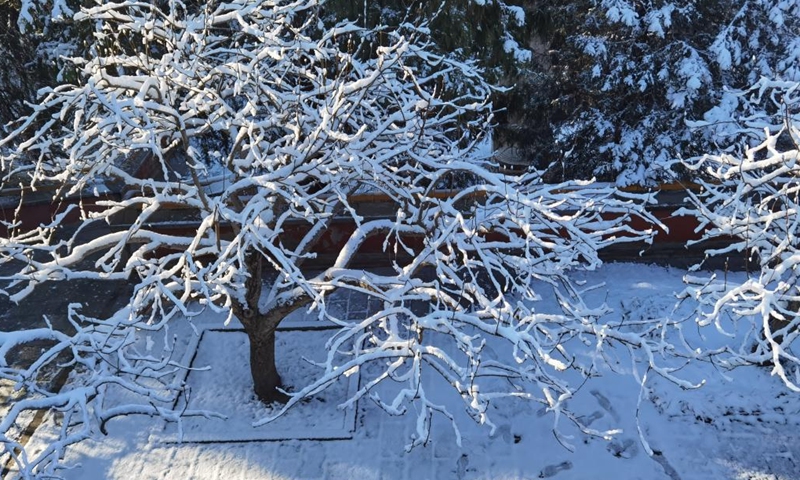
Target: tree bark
(260, 328)
(266, 380)
(260, 331)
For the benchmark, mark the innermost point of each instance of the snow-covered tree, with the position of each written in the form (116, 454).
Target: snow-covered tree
(295, 115)
(487, 31)
(753, 199)
(39, 34)
(749, 182)
(613, 83)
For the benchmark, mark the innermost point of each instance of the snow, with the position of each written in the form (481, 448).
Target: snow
(466, 339)
(621, 11)
(740, 424)
(521, 55)
(226, 388)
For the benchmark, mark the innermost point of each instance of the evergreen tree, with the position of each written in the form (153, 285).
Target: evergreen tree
(617, 88)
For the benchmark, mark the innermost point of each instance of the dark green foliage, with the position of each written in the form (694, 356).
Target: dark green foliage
(17, 77)
(616, 87)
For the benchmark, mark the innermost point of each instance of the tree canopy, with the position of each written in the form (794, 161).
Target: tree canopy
(269, 116)
(601, 88)
(263, 117)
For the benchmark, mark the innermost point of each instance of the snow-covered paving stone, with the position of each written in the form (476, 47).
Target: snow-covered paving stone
(746, 427)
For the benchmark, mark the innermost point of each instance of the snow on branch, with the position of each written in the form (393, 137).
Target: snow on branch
(753, 200)
(260, 119)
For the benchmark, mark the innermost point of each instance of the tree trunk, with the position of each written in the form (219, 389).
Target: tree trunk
(260, 328)
(266, 380)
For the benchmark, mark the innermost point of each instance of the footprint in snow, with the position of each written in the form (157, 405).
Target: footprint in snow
(622, 448)
(606, 404)
(589, 419)
(504, 432)
(552, 470)
(461, 466)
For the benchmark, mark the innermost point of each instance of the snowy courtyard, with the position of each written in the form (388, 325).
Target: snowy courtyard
(740, 424)
(321, 239)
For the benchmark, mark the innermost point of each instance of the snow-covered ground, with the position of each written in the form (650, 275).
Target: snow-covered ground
(739, 425)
